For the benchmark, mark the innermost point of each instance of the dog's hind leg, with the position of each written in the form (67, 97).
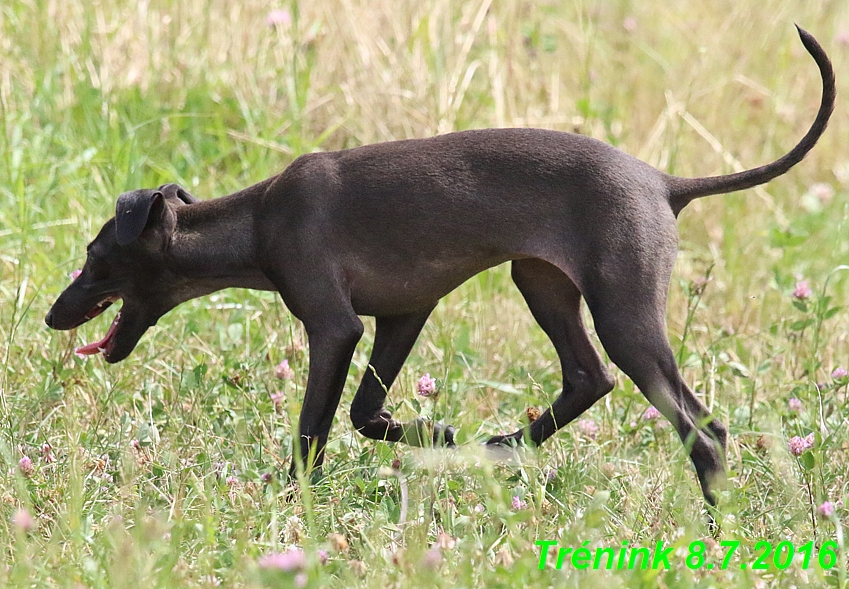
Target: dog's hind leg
(555, 303)
(629, 320)
(393, 339)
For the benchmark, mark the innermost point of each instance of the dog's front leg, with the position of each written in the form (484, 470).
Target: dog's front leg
(332, 340)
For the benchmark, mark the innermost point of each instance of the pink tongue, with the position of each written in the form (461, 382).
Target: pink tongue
(97, 347)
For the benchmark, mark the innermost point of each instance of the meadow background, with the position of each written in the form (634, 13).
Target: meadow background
(166, 470)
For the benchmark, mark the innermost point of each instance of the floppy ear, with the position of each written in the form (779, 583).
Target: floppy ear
(133, 211)
(175, 191)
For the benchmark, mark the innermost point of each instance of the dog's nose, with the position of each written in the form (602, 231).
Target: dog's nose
(49, 319)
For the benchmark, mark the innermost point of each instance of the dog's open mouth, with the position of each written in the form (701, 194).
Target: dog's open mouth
(104, 344)
(100, 307)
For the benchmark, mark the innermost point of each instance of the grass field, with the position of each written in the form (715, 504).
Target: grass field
(166, 470)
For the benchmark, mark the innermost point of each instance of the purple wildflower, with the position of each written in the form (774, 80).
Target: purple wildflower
(519, 503)
(290, 561)
(426, 386)
(277, 398)
(75, 274)
(826, 510)
(588, 428)
(432, 559)
(278, 17)
(283, 371)
(47, 453)
(26, 467)
(839, 373)
(802, 291)
(322, 556)
(796, 445)
(799, 445)
(795, 404)
(23, 521)
(651, 413)
(822, 191)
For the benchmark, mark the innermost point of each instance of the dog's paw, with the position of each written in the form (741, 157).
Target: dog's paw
(511, 441)
(291, 492)
(423, 433)
(417, 433)
(503, 448)
(443, 435)
(290, 480)
(714, 529)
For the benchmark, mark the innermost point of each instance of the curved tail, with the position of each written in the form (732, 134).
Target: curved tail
(683, 190)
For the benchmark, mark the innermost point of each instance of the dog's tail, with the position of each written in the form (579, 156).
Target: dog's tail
(683, 190)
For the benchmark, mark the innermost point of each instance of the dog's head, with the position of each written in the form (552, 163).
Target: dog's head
(125, 262)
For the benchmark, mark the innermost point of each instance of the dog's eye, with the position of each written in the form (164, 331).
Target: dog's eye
(97, 269)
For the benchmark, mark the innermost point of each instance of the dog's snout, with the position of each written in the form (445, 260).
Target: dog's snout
(48, 319)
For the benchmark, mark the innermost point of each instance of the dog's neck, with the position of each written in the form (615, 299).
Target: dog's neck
(213, 245)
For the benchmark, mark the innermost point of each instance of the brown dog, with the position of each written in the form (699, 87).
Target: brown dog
(389, 229)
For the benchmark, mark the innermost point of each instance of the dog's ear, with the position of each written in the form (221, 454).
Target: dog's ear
(138, 209)
(177, 193)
